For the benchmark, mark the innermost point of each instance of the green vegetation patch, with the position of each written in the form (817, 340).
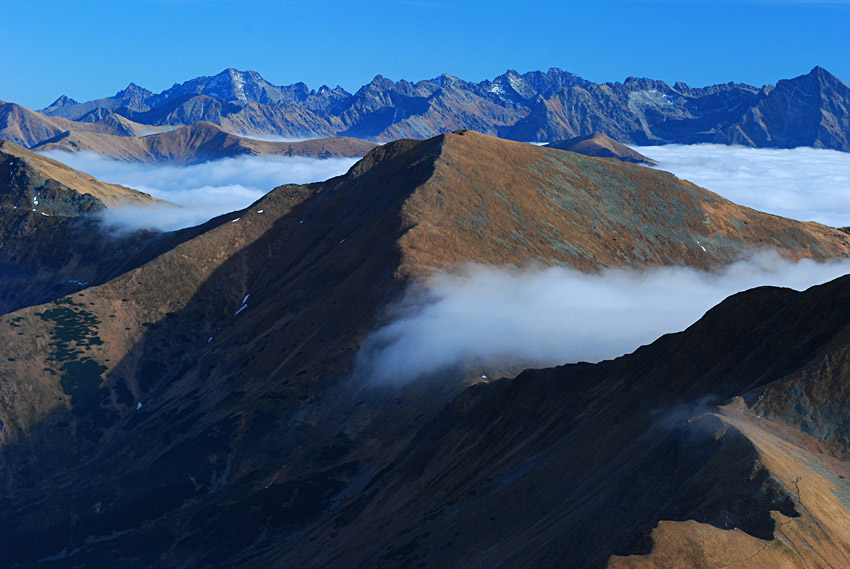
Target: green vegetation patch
(75, 332)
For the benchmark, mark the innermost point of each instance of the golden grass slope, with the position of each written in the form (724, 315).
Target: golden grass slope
(818, 539)
(111, 195)
(26, 127)
(601, 146)
(200, 142)
(500, 202)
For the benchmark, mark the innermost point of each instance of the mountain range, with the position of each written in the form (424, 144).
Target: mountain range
(809, 110)
(200, 405)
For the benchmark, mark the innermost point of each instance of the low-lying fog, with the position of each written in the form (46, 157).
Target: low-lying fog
(202, 190)
(487, 316)
(807, 184)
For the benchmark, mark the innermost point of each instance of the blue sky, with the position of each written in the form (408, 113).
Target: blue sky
(87, 49)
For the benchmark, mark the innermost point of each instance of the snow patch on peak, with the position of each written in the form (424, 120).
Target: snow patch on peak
(514, 81)
(648, 98)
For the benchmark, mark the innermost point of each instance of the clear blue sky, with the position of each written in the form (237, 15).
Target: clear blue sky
(88, 49)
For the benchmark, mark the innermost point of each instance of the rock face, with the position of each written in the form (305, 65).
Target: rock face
(810, 110)
(198, 143)
(601, 146)
(199, 410)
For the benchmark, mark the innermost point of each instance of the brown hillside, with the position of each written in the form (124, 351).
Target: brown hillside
(50, 240)
(490, 200)
(40, 170)
(27, 128)
(200, 142)
(601, 146)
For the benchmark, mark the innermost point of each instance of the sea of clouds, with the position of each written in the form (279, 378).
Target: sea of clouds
(806, 184)
(202, 191)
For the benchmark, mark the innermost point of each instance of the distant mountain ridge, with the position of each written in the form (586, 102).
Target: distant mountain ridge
(199, 143)
(809, 110)
(27, 128)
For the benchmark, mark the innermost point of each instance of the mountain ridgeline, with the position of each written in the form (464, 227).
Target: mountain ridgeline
(809, 110)
(198, 409)
(197, 143)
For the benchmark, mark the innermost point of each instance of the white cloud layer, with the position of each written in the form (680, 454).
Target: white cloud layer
(485, 316)
(202, 191)
(801, 183)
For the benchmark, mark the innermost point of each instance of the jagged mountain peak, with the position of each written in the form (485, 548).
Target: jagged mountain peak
(826, 78)
(819, 71)
(445, 80)
(63, 101)
(133, 91)
(234, 74)
(818, 83)
(380, 80)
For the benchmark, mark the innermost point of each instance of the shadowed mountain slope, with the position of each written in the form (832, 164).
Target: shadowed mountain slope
(30, 172)
(50, 239)
(199, 410)
(198, 143)
(565, 467)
